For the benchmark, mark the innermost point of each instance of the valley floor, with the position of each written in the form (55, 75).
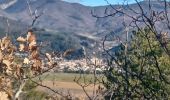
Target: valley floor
(65, 82)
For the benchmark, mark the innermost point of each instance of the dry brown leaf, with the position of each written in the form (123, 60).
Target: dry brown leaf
(34, 55)
(21, 47)
(5, 43)
(7, 63)
(1, 55)
(6, 84)
(19, 71)
(9, 72)
(26, 61)
(12, 49)
(2, 48)
(33, 45)
(10, 57)
(37, 65)
(3, 96)
(31, 37)
(50, 64)
(48, 57)
(21, 39)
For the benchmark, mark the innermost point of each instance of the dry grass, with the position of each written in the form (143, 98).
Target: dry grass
(66, 87)
(65, 77)
(64, 82)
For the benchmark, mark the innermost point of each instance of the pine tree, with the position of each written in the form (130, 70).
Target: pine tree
(143, 71)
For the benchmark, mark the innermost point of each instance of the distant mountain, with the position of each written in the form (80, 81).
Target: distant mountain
(14, 25)
(58, 15)
(71, 18)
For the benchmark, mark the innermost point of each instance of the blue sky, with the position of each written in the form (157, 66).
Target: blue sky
(102, 2)
(99, 2)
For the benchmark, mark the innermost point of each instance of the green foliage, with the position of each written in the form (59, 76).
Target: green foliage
(59, 41)
(64, 42)
(30, 92)
(35, 95)
(29, 86)
(142, 70)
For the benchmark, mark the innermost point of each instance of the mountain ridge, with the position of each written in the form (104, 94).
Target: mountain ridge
(68, 17)
(73, 19)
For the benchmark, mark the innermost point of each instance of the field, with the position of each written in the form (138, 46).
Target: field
(65, 82)
(65, 77)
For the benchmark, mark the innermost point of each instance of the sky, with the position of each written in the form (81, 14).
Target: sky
(100, 2)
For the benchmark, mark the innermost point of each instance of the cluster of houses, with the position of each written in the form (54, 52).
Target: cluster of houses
(81, 65)
(87, 65)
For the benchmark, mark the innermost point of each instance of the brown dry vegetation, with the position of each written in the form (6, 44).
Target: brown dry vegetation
(65, 82)
(66, 87)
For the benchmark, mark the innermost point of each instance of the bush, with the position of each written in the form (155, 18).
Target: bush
(142, 69)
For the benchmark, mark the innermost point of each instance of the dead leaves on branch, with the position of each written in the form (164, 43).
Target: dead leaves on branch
(33, 46)
(36, 66)
(26, 45)
(29, 45)
(6, 55)
(31, 36)
(21, 39)
(14, 66)
(34, 55)
(8, 66)
(49, 57)
(1, 56)
(26, 61)
(5, 43)
(21, 47)
(3, 95)
(19, 73)
(6, 91)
